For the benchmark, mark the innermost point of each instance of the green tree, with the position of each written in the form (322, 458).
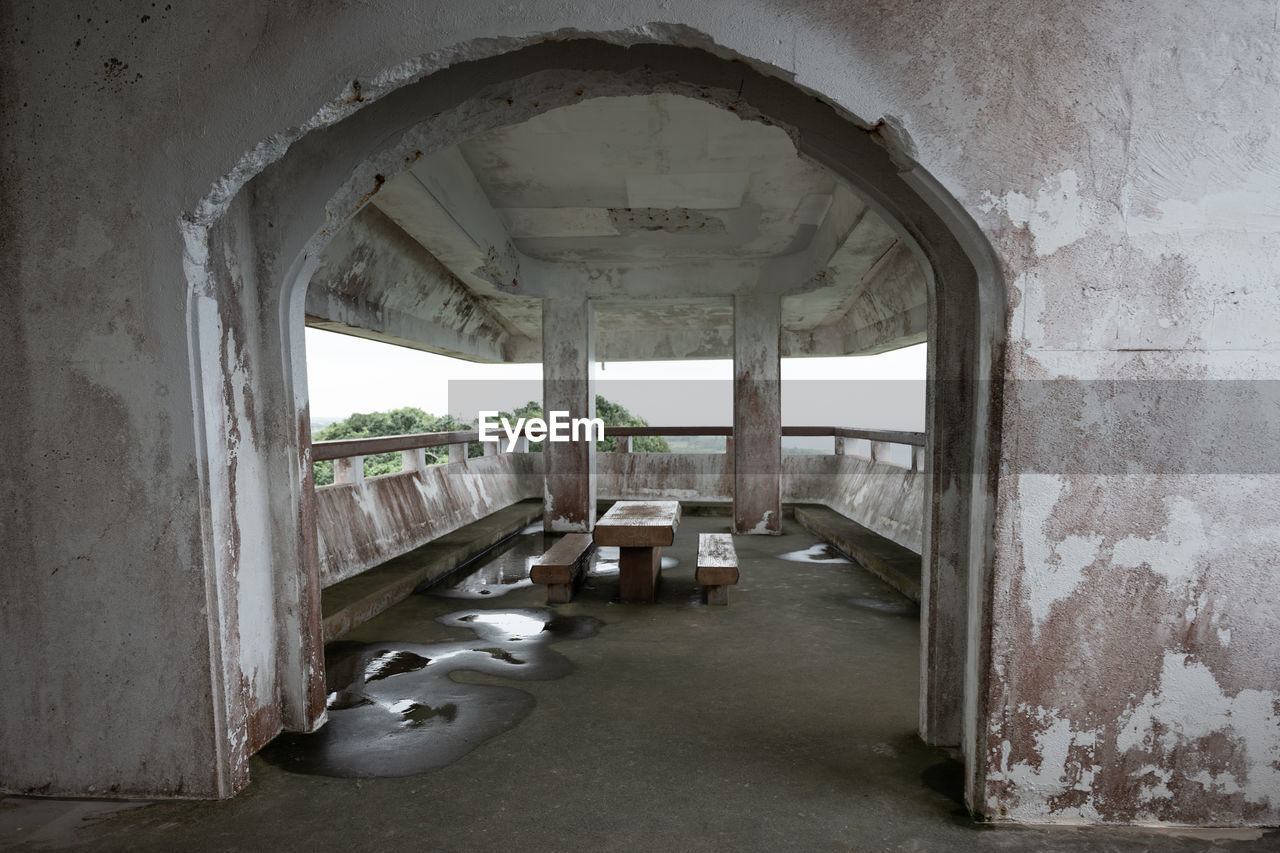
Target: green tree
(608, 411)
(614, 414)
(529, 410)
(404, 421)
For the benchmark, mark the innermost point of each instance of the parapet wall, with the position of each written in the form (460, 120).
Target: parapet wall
(880, 496)
(360, 525)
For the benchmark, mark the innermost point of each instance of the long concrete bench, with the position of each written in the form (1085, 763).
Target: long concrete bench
(563, 566)
(897, 566)
(357, 599)
(717, 566)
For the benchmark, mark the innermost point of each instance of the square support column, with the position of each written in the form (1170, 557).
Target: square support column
(568, 348)
(757, 413)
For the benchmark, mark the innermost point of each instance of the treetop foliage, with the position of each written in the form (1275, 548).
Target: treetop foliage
(613, 414)
(406, 421)
(410, 420)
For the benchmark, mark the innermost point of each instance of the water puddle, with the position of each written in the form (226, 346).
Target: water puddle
(899, 607)
(502, 571)
(394, 710)
(819, 552)
(604, 562)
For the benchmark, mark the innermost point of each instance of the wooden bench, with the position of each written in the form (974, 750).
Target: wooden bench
(563, 566)
(717, 566)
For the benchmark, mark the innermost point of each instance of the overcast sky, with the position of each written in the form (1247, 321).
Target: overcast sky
(347, 374)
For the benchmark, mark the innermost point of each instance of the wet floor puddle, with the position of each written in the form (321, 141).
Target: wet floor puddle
(394, 710)
(604, 562)
(890, 604)
(503, 570)
(819, 552)
(890, 607)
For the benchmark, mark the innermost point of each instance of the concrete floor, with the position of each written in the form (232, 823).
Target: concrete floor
(784, 721)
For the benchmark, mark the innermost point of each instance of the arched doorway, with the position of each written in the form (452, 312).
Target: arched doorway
(251, 251)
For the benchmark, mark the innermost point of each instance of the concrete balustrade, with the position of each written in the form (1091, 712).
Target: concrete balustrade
(877, 492)
(365, 521)
(348, 470)
(362, 522)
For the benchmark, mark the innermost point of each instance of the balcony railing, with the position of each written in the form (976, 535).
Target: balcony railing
(348, 453)
(364, 522)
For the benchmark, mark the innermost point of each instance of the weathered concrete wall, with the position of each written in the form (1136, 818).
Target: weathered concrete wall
(890, 310)
(568, 349)
(885, 498)
(362, 524)
(757, 413)
(888, 499)
(665, 476)
(1119, 159)
(377, 282)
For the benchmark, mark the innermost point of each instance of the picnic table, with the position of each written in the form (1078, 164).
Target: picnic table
(640, 530)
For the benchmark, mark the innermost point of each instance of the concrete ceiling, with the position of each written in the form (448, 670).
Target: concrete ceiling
(654, 178)
(659, 206)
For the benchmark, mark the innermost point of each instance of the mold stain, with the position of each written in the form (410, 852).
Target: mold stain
(394, 710)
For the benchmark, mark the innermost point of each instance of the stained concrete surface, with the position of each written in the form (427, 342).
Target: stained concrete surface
(356, 599)
(784, 721)
(894, 564)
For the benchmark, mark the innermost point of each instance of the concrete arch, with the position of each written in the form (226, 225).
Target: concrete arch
(250, 257)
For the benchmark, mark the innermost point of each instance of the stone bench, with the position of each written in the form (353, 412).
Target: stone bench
(563, 567)
(717, 566)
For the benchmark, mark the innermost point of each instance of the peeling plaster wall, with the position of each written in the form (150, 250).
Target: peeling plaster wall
(1137, 539)
(363, 524)
(1119, 158)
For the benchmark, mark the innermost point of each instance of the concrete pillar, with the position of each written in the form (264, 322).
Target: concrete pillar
(457, 453)
(413, 460)
(840, 450)
(568, 349)
(757, 413)
(349, 470)
(624, 444)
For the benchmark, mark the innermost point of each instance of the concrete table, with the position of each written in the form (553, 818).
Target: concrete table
(640, 530)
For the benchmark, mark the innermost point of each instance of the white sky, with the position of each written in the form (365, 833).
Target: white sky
(347, 374)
